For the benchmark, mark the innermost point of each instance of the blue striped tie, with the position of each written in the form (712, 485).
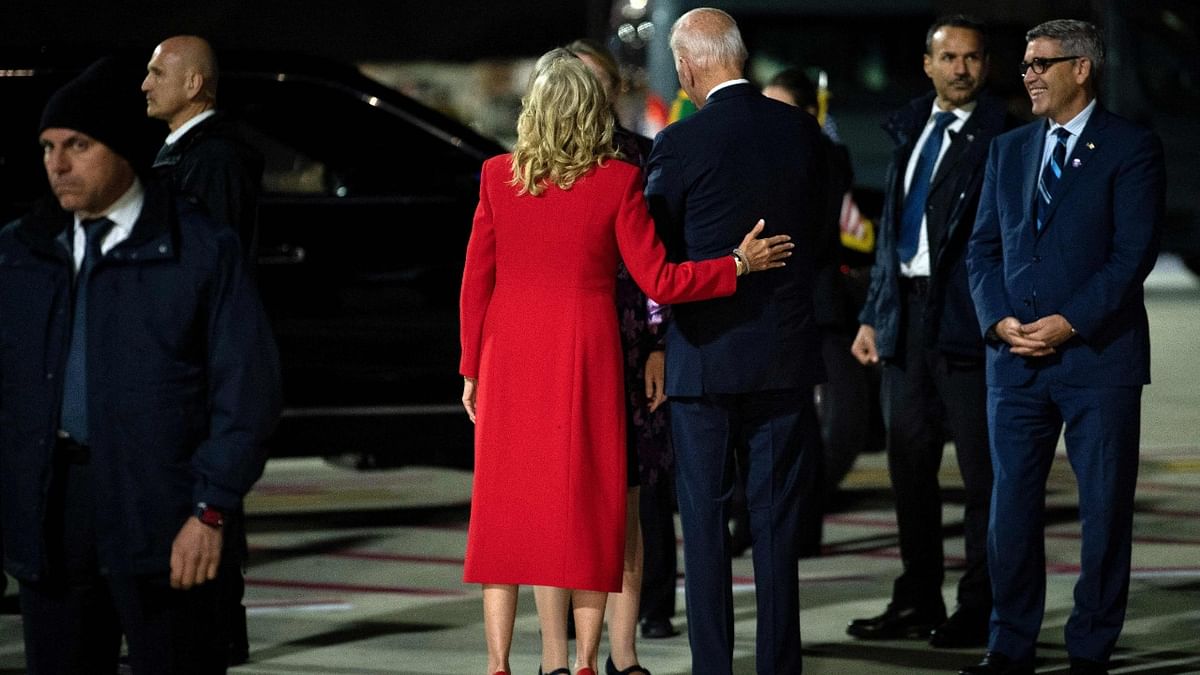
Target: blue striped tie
(74, 416)
(1051, 175)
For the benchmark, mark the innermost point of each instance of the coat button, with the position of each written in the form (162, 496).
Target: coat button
(49, 376)
(1037, 258)
(1027, 302)
(162, 248)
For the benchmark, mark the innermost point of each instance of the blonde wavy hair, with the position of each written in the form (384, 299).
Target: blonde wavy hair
(565, 128)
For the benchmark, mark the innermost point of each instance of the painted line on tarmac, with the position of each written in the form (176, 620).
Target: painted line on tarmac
(350, 588)
(256, 609)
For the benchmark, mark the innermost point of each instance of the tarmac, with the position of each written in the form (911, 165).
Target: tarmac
(361, 572)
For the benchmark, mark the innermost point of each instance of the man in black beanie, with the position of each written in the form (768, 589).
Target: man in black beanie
(138, 379)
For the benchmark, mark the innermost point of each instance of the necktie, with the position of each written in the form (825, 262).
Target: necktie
(918, 190)
(1051, 174)
(74, 417)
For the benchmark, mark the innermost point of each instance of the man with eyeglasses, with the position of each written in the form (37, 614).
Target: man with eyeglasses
(920, 322)
(1068, 229)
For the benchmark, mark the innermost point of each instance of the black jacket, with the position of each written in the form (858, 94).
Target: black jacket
(214, 165)
(183, 380)
(950, 211)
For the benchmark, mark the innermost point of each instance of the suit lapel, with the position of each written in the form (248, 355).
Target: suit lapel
(1032, 150)
(960, 142)
(1081, 156)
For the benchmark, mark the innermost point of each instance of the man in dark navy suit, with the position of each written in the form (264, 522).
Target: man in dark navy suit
(740, 370)
(920, 322)
(1068, 229)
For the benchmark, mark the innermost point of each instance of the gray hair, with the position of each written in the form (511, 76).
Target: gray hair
(1078, 38)
(709, 38)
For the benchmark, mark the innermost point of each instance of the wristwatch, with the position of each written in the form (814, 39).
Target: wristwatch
(209, 515)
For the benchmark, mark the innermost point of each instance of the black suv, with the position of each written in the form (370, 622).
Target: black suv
(366, 209)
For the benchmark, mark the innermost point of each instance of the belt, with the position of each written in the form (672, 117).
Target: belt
(915, 285)
(70, 451)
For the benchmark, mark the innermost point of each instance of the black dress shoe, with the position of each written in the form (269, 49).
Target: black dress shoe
(964, 628)
(1087, 667)
(995, 663)
(654, 629)
(896, 623)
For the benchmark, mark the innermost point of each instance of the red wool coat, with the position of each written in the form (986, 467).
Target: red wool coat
(539, 331)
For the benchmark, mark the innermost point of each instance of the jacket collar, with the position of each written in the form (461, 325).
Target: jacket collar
(152, 236)
(731, 92)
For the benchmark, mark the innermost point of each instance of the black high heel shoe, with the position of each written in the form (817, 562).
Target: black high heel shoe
(560, 671)
(611, 669)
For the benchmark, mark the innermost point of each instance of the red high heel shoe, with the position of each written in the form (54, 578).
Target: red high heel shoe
(585, 671)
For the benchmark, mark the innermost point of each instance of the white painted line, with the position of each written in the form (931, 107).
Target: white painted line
(309, 608)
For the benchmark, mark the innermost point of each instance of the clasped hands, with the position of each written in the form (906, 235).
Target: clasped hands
(1039, 338)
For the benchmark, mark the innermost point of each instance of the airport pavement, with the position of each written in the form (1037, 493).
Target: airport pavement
(360, 572)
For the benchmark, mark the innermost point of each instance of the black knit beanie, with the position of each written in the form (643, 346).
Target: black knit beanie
(105, 102)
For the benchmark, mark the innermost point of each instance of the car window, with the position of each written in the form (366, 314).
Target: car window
(320, 138)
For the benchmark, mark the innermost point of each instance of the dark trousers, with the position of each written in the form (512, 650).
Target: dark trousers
(659, 566)
(1102, 433)
(780, 430)
(74, 618)
(925, 393)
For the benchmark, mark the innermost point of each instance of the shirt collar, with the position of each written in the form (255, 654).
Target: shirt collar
(962, 112)
(174, 136)
(125, 211)
(726, 83)
(1076, 125)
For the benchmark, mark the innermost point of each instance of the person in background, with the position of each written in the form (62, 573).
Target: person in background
(919, 322)
(206, 159)
(549, 494)
(205, 156)
(740, 370)
(148, 380)
(1068, 229)
(848, 404)
(650, 531)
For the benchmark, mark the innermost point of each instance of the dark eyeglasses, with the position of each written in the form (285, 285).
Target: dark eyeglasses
(1040, 65)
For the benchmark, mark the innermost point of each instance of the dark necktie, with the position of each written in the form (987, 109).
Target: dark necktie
(918, 190)
(74, 418)
(1051, 174)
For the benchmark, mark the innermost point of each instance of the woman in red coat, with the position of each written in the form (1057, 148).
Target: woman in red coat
(541, 358)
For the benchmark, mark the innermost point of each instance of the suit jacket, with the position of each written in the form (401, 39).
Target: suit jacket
(710, 177)
(1098, 244)
(950, 324)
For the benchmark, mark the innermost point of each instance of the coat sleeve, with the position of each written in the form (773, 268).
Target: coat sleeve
(666, 283)
(985, 251)
(479, 280)
(1138, 203)
(244, 394)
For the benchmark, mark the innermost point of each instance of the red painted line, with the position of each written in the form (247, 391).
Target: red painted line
(348, 588)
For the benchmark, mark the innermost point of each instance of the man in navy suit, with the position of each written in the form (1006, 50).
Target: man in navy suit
(1067, 230)
(920, 321)
(740, 370)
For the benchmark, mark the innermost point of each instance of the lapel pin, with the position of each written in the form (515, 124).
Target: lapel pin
(970, 138)
(1091, 146)
(1076, 163)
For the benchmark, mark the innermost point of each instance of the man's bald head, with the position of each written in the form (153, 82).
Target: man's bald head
(708, 50)
(181, 79)
(710, 39)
